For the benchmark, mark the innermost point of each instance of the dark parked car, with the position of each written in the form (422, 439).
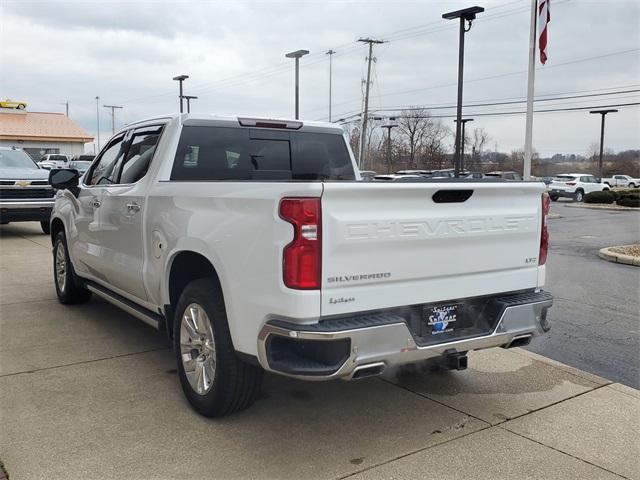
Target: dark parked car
(508, 175)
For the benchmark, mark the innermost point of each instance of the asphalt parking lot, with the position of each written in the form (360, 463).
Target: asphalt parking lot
(596, 309)
(89, 392)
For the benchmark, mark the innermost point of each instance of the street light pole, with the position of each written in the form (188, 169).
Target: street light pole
(180, 79)
(602, 113)
(113, 117)
(465, 15)
(188, 98)
(330, 53)
(296, 55)
(464, 123)
(389, 127)
(98, 121)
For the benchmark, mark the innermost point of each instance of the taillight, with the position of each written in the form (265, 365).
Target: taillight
(544, 237)
(302, 258)
(571, 184)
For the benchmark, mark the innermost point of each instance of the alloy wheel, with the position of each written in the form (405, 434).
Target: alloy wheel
(197, 348)
(61, 267)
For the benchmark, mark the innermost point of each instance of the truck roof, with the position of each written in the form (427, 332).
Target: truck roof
(235, 121)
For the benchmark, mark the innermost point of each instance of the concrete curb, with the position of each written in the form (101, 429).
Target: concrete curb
(598, 206)
(610, 256)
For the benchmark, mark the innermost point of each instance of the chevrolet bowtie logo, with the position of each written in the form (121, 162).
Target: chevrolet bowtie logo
(23, 183)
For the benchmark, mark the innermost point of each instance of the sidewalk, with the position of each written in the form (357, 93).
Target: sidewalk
(89, 392)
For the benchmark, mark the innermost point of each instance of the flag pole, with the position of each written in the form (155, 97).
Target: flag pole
(528, 136)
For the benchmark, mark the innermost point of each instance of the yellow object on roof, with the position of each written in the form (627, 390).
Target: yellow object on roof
(21, 125)
(13, 104)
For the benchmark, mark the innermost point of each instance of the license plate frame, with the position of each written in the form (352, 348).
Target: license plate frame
(442, 319)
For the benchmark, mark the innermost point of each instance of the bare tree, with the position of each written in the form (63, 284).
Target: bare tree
(435, 149)
(479, 141)
(413, 125)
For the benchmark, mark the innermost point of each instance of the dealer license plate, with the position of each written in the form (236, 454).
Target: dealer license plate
(441, 319)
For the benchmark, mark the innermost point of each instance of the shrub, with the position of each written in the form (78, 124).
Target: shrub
(599, 197)
(633, 196)
(615, 193)
(629, 202)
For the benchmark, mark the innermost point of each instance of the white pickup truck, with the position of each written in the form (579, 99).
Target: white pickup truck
(622, 181)
(255, 246)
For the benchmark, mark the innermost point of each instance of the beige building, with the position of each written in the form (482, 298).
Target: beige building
(39, 133)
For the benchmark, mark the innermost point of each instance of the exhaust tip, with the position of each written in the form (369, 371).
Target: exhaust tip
(364, 371)
(520, 341)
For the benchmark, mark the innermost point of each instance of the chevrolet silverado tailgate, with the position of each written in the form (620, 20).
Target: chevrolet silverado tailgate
(386, 245)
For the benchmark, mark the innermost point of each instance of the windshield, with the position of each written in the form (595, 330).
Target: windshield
(16, 159)
(563, 178)
(58, 158)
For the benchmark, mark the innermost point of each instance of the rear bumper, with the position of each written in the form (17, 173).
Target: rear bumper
(385, 340)
(25, 211)
(562, 193)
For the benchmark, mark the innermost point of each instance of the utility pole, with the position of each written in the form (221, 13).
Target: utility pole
(180, 79)
(113, 117)
(365, 113)
(98, 121)
(67, 107)
(603, 113)
(466, 15)
(389, 127)
(330, 53)
(464, 122)
(188, 98)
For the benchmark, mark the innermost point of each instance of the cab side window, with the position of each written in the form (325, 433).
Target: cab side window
(142, 146)
(104, 171)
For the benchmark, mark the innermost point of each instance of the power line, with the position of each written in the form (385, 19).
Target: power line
(500, 75)
(549, 110)
(469, 105)
(497, 101)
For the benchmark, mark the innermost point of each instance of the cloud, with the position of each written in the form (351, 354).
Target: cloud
(127, 53)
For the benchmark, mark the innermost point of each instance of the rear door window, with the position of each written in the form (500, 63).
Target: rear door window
(220, 153)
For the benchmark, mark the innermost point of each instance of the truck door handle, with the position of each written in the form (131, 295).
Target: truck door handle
(95, 203)
(133, 207)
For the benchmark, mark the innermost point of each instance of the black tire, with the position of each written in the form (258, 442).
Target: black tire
(578, 196)
(554, 198)
(46, 227)
(71, 290)
(631, 185)
(21, 106)
(235, 384)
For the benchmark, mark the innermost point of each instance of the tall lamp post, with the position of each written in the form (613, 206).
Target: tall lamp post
(330, 53)
(603, 113)
(188, 98)
(98, 121)
(464, 123)
(180, 79)
(297, 54)
(389, 127)
(466, 15)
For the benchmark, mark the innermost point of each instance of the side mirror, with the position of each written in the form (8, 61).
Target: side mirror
(64, 179)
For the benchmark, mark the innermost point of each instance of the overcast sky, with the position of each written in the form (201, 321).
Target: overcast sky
(127, 53)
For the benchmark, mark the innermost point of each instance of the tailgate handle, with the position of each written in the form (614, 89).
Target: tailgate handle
(451, 196)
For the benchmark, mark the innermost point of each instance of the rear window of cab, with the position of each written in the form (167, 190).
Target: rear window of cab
(221, 153)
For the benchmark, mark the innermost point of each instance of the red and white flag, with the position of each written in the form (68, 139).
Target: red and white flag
(544, 17)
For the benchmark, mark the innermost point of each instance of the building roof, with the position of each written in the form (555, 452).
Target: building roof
(43, 126)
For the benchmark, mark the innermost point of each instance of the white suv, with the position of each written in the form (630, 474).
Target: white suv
(574, 185)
